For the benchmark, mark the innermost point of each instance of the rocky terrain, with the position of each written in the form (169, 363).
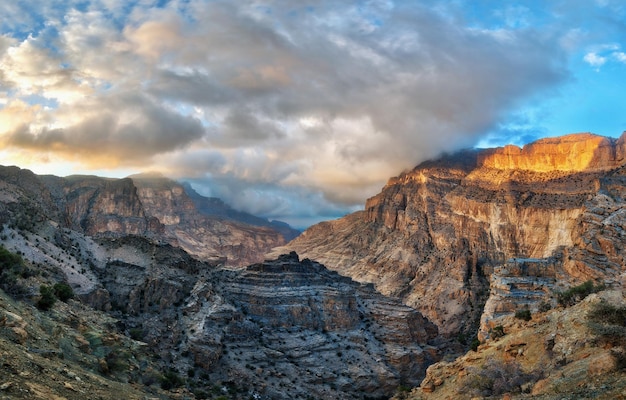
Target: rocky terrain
(434, 235)
(159, 208)
(149, 319)
(571, 353)
(513, 255)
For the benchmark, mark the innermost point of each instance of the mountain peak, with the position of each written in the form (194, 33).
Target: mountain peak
(572, 153)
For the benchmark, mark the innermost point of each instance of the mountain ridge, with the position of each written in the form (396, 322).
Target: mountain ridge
(433, 235)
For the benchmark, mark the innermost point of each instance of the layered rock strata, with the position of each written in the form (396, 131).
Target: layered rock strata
(154, 207)
(519, 285)
(433, 236)
(301, 330)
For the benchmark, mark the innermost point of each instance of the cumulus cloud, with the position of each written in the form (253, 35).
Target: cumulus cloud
(594, 59)
(277, 103)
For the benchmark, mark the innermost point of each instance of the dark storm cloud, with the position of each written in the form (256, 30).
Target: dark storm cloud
(276, 101)
(125, 130)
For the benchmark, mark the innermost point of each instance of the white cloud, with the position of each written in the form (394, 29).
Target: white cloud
(325, 101)
(620, 56)
(594, 59)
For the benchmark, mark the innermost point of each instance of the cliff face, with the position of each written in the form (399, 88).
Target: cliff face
(99, 206)
(333, 337)
(572, 153)
(155, 207)
(206, 236)
(434, 235)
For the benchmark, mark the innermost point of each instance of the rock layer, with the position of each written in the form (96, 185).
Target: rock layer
(434, 235)
(155, 207)
(333, 337)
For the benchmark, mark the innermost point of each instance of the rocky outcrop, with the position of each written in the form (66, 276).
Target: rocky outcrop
(572, 153)
(521, 284)
(434, 235)
(290, 320)
(149, 206)
(559, 353)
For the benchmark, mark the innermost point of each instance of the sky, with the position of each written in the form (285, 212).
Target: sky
(298, 110)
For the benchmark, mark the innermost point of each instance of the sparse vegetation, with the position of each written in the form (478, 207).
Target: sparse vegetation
(495, 378)
(63, 291)
(12, 268)
(136, 333)
(171, 380)
(523, 314)
(47, 299)
(577, 293)
(608, 322)
(497, 332)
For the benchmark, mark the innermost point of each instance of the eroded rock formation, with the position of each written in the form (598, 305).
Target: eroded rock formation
(433, 236)
(155, 207)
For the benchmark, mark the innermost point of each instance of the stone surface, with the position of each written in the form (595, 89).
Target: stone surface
(155, 207)
(577, 365)
(434, 235)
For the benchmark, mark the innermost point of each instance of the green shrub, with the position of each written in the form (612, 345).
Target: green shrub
(63, 291)
(577, 293)
(47, 299)
(495, 378)
(523, 314)
(171, 380)
(497, 332)
(545, 306)
(136, 333)
(609, 323)
(12, 270)
(474, 344)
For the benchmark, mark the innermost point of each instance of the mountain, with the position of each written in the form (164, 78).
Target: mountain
(156, 207)
(157, 312)
(435, 235)
(131, 288)
(216, 207)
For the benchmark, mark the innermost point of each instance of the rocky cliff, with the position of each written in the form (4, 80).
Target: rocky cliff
(155, 207)
(574, 353)
(291, 329)
(434, 235)
(189, 224)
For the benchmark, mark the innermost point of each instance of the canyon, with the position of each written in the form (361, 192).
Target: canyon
(179, 296)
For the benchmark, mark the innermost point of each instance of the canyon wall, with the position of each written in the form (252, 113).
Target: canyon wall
(158, 208)
(434, 235)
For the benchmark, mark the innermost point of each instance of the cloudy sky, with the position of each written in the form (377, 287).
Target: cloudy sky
(298, 110)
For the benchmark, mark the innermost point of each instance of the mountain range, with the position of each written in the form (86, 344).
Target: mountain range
(481, 273)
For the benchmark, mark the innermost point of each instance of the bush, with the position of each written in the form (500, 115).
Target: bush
(474, 344)
(497, 332)
(63, 291)
(12, 269)
(609, 323)
(495, 378)
(577, 293)
(136, 333)
(523, 314)
(545, 306)
(47, 299)
(171, 380)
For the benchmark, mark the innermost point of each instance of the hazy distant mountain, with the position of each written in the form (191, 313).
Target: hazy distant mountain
(216, 207)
